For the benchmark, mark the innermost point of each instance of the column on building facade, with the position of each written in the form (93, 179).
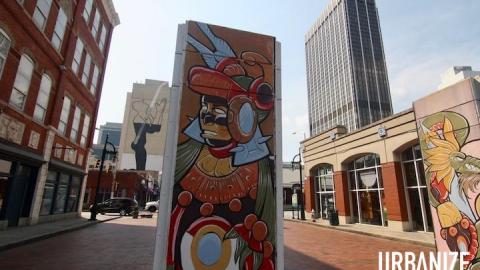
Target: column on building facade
(309, 193)
(342, 202)
(41, 179)
(395, 200)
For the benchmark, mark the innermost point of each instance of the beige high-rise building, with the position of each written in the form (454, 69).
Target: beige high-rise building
(142, 141)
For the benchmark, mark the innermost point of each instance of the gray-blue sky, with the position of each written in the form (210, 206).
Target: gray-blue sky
(421, 40)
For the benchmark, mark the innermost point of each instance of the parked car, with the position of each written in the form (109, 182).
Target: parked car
(123, 206)
(152, 206)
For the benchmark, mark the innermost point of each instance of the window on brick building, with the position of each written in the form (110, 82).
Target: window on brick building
(103, 37)
(86, 69)
(4, 48)
(40, 15)
(87, 10)
(62, 124)
(93, 86)
(22, 82)
(42, 98)
(85, 130)
(75, 124)
(416, 189)
(77, 56)
(366, 190)
(324, 190)
(59, 31)
(96, 25)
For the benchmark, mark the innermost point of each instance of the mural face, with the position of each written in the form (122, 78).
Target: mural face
(452, 167)
(147, 118)
(223, 210)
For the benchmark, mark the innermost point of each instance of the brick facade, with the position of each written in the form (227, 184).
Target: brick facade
(309, 193)
(395, 200)
(342, 201)
(40, 142)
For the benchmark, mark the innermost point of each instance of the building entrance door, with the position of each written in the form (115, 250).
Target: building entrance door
(20, 194)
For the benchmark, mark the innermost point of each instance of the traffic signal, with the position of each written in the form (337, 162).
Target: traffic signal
(97, 164)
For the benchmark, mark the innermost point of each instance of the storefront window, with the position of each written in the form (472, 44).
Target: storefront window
(366, 190)
(324, 190)
(48, 193)
(4, 175)
(73, 194)
(416, 189)
(61, 195)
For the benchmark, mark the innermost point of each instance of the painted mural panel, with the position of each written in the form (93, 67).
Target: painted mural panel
(223, 207)
(449, 132)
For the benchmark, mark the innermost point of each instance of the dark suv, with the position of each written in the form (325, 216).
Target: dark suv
(123, 206)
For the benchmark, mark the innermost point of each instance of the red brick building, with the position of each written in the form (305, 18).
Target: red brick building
(53, 55)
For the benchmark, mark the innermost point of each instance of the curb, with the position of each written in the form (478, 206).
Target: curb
(415, 242)
(52, 234)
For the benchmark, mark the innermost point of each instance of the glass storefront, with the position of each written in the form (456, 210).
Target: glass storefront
(324, 190)
(4, 175)
(60, 193)
(366, 191)
(416, 189)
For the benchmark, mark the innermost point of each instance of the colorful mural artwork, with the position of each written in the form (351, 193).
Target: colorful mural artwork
(451, 151)
(223, 213)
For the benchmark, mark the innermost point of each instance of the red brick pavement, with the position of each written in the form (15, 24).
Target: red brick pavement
(312, 247)
(123, 243)
(127, 243)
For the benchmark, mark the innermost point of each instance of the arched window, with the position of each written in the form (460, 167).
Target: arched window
(324, 190)
(416, 189)
(366, 190)
(22, 82)
(43, 98)
(4, 48)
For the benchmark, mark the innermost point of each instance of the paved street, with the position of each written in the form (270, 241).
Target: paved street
(123, 243)
(127, 243)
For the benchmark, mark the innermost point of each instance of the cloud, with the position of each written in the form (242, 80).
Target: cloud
(416, 75)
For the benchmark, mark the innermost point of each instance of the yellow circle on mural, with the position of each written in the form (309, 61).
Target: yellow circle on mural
(209, 250)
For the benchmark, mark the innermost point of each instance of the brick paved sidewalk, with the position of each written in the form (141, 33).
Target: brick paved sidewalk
(418, 238)
(18, 236)
(310, 247)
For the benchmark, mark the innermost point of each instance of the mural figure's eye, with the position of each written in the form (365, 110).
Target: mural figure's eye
(472, 167)
(220, 112)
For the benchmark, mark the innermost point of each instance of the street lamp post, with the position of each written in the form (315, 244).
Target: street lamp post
(93, 212)
(300, 200)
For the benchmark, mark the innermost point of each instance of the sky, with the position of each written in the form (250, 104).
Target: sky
(421, 40)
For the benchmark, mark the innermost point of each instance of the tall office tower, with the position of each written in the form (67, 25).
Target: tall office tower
(346, 72)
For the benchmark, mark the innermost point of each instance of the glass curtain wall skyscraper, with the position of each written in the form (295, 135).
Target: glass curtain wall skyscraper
(346, 73)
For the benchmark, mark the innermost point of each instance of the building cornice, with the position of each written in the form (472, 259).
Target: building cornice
(331, 6)
(111, 12)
